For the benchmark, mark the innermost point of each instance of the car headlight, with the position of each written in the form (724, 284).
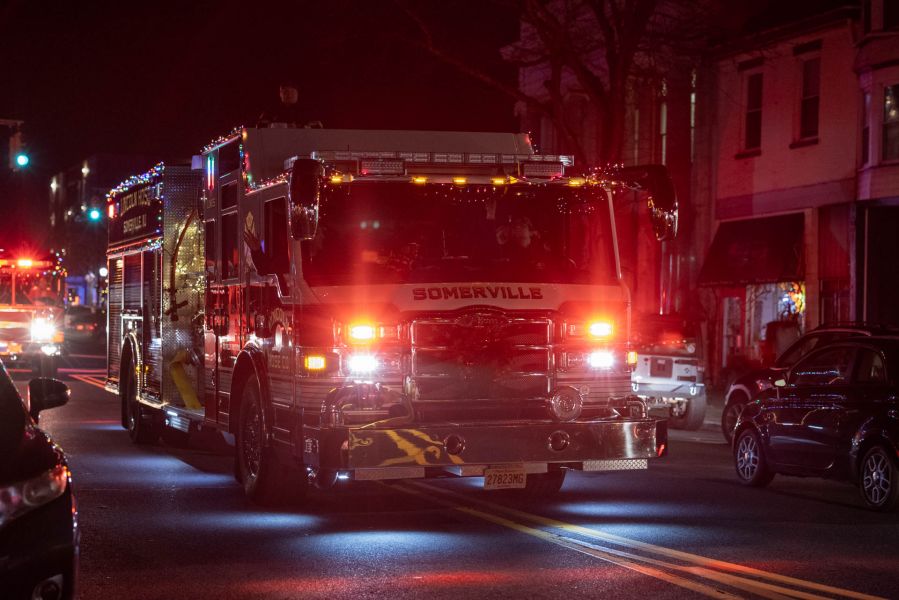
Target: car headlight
(362, 364)
(42, 329)
(24, 496)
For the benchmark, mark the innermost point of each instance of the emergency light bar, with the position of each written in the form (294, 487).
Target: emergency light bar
(458, 163)
(25, 263)
(461, 158)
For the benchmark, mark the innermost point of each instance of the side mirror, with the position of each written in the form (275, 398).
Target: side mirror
(303, 195)
(44, 393)
(780, 383)
(662, 201)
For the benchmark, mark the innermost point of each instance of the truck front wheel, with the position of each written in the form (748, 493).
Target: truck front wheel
(265, 479)
(141, 421)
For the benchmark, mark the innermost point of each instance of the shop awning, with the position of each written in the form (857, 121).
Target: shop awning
(752, 251)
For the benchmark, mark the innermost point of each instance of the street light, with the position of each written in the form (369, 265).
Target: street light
(22, 159)
(94, 214)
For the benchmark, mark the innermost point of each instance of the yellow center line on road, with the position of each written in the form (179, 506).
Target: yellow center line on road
(558, 540)
(704, 566)
(88, 380)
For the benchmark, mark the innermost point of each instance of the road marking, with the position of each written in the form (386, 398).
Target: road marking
(600, 553)
(731, 574)
(88, 379)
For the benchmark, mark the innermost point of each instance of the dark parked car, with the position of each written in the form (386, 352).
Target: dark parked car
(747, 386)
(835, 414)
(38, 522)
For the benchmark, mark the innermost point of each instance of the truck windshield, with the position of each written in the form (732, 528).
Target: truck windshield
(25, 288)
(398, 232)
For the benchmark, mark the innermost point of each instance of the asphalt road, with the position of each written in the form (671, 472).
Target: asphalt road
(167, 522)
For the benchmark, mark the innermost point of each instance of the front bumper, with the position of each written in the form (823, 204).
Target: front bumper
(12, 352)
(379, 452)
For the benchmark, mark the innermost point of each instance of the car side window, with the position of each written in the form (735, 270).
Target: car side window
(870, 367)
(802, 347)
(830, 366)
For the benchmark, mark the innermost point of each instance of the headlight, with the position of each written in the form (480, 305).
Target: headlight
(600, 329)
(42, 329)
(362, 364)
(601, 360)
(19, 498)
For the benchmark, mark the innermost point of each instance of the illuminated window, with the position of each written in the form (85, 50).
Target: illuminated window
(229, 246)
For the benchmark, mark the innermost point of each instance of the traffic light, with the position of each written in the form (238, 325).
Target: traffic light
(18, 155)
(94, 214)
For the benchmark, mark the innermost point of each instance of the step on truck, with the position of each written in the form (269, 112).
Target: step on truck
(377, 305)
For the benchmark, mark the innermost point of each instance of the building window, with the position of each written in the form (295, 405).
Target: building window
(752, 139)
(866, 128)
(811, 90)
(890, 14)
(891, 123)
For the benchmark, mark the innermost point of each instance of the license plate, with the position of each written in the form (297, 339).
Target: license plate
(504, 478)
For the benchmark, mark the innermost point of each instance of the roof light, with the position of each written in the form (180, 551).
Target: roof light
(336, 178)
(577, 181)
(498, 181)
(419, 179)
(459, 180)
(25, 263)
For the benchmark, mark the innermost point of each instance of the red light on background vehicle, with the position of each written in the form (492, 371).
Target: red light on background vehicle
(110, 210)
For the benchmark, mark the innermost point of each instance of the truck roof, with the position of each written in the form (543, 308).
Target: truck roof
(268, 150)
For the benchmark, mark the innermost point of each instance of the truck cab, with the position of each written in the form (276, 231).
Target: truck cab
(31, 312)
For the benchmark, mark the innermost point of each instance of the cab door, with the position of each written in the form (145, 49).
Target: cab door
(802, 425)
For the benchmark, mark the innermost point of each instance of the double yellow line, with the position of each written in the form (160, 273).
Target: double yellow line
(689, 571)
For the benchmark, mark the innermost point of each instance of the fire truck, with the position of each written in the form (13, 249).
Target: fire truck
(31, 311)
(376, 305)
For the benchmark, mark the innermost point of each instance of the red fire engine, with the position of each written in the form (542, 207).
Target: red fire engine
(380, 305)
(31, 311)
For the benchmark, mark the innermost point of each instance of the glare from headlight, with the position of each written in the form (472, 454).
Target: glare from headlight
(600, 360)
(362, 363)
(42, 329)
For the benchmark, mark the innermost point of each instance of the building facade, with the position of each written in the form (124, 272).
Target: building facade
(784, 146)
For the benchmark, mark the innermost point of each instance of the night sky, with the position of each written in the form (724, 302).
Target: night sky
(164, 78)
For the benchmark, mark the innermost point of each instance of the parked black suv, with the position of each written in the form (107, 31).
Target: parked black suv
(832, 415)
(745, 387)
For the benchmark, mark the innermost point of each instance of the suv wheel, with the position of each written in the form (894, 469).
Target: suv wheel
(749, 460)
(879, 480)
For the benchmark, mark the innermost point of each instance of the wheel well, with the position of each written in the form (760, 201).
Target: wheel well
(738, 390)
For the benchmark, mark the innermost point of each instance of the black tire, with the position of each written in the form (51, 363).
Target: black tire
(879, 479)
(732, 409)
(543, 485)
(749, 460)
(141, 421)
(266, 481)
(691, 417)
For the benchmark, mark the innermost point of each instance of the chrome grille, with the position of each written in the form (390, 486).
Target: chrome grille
(482, 355)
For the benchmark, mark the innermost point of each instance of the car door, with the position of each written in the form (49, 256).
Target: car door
(801, 424)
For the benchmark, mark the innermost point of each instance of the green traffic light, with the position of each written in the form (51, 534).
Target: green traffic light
(22, 160)
(94, 214)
